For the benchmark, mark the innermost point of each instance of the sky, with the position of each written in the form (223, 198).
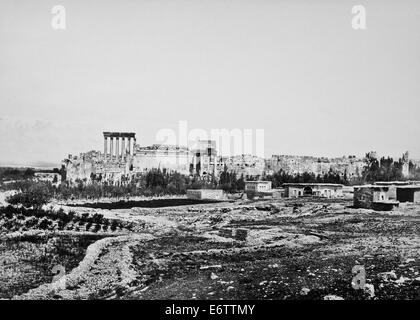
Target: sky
(295, 68)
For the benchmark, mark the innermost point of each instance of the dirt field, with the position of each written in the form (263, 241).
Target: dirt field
(268, 249)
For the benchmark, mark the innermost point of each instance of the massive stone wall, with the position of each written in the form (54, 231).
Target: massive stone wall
(171, 158)
(246, 165)
(352, 166)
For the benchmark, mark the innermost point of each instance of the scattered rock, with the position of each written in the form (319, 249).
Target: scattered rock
(402, 279)
(213, 276)
(305, 291)
(215, 266)
(263, 208)
(386, 276)
(333, 297)
(369, 289)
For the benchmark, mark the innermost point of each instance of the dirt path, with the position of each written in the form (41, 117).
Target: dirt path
(105, 269)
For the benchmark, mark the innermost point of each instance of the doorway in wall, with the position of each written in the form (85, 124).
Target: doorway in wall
(307, 191)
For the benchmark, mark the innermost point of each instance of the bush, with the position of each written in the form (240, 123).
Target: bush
(88, 225)
(97, 218)
(44, 224)
(35, 196)
(31, 222)
(85, 217)
(71, 215)
(97, 227)
(61, 225)
(114, 225)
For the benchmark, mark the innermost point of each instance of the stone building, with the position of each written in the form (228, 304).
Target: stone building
(244, 165)
(408, 193)
(157, 156)
(350, 166)
(325, 190)
(118, 151)
(258, 186)
(258, 189)
(204, 158)
(373, 197)
(392, 187)
(122, 158)
(405, 165)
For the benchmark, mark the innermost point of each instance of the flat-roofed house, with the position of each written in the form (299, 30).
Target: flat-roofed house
(258, 188)
(375, 197)
(392, 185)
(324, 190)
(408, 193)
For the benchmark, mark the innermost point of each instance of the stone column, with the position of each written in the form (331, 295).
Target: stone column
(129, 145)
(117, 148)
(123, 148)
(194, 162)
(105, 147)
(111, 147)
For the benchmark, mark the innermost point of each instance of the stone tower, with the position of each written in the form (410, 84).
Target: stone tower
(405, 165)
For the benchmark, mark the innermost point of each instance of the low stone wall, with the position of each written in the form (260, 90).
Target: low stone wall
(385, 206)
(206, 194)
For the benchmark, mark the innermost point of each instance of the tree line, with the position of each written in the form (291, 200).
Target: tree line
(159, 182)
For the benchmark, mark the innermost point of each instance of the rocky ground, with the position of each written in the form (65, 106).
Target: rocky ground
(267, 249)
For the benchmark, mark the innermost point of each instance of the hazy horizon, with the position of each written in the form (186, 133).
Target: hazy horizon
(296, 69)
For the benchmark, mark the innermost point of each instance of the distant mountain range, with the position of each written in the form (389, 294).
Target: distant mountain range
(36, 164)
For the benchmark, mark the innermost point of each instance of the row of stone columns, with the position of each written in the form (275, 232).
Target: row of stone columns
(117, 151)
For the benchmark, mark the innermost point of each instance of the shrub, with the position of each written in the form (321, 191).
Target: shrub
(88, 225)
(97, 218)
(71, 215)
(8, 214)
(35, 196)
(31, 222)
(44, 224)
(84, 217)
(216, 219)
(61, 224)
(114, 225)
(97, 227)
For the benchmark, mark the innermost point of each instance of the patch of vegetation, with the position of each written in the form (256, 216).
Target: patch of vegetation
(22, 219)
(28, 262)
(35, 195)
